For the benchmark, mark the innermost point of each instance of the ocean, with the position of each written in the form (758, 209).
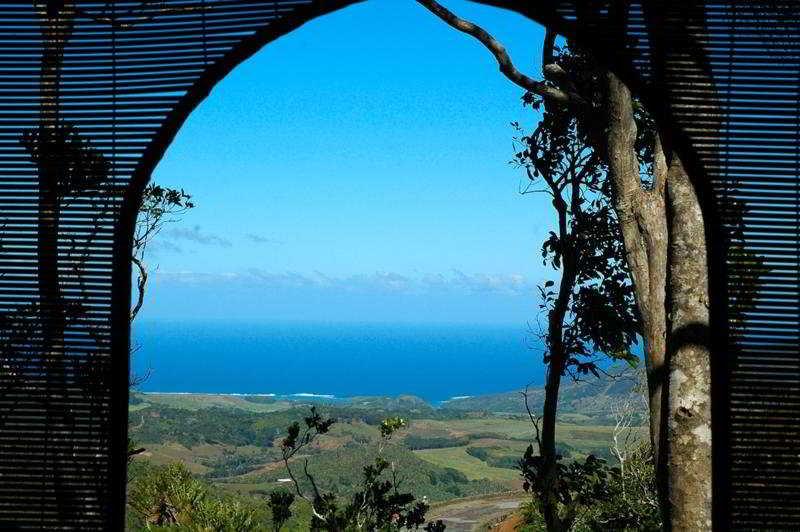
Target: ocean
(435, 362)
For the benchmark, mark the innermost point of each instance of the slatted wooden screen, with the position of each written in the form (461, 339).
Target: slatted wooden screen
(92, 92)
(753, 161)
(99, 88)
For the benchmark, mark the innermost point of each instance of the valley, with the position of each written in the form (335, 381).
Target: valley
(460, 455)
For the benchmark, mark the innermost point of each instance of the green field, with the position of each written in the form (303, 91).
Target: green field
(455, 452)
(197, 401)
(473, 468)
(199, 459)
(503, 427)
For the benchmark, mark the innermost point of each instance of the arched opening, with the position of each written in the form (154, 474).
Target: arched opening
(383, 196)
(389, 183)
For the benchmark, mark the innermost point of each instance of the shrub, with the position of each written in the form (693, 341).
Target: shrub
(169, 496)
(594, 497)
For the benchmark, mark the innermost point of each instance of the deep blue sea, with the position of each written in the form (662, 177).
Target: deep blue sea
(435, 362)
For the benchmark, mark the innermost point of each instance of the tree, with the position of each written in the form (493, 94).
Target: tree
(71, 169)
(68, 165)
(662, 226)
(591, 313)
(378, 505)
(57, 20)
(57, 25)
(159, 206)
(593, 495)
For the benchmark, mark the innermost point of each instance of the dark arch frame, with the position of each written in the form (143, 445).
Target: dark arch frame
(615, 54)
(652, 51)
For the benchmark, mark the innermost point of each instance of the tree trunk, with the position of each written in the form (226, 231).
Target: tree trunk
(56, 20)
(653, 242)
(555, 334)
(664, 238)
(547, 449)
(57, 23)
(689, 403)
(642, 220)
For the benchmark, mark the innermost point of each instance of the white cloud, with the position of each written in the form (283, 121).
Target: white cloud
(198, 236)
(381, 281)
(160, 246)
(260, 239)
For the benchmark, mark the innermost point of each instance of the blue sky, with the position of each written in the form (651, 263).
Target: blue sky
(357, 170)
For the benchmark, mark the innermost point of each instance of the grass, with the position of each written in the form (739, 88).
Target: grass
(167, 453)
(198, 401)
(458, 459)
(517, 429)
(578, 440)
(511, 428)
(194, 458)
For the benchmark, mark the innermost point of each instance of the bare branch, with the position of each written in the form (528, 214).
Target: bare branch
(141, 284)
(135, 16)
(135, 380)
(534, 420)
(503, 60)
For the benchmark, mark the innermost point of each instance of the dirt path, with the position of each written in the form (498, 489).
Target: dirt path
(510, 524)
(468, 515)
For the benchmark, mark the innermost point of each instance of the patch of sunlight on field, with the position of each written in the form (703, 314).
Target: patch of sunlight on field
(193, 458)
(168, 453)
(522, 429)
(197, 401)
(458, 459)
(591, 435)
(508, 428)
(356, 430)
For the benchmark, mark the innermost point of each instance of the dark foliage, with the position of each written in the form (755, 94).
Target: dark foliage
(594, 497)
(565, 154)
(280, 504)
(67, 157)
(592, 318)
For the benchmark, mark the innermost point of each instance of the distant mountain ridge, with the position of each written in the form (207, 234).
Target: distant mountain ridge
(592, 398)
(580, 401)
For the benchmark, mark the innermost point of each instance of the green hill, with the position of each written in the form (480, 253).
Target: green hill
(588, 401)
(463, 447)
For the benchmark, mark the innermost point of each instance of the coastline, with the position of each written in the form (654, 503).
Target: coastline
(300, 396)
